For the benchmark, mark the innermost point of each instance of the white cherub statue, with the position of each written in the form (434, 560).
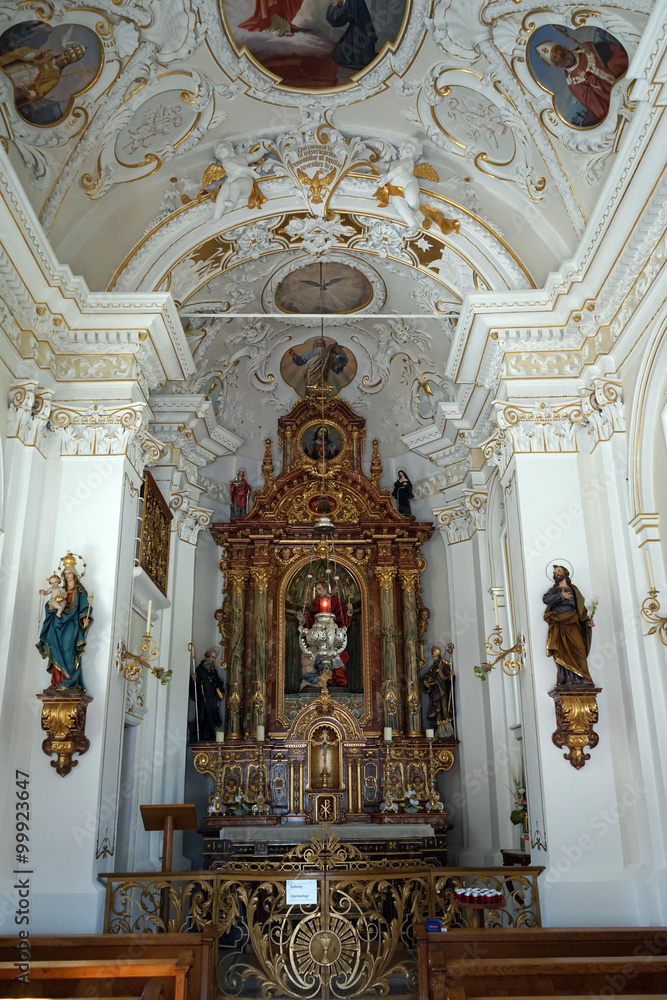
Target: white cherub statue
(399, 186)
(239, 187)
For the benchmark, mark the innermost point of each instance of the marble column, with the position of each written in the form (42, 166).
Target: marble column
(409, 578)
(386, 576)
(237, 579)
(260, 647)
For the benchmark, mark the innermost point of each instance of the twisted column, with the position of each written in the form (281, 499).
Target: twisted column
(237, 579)
(409, 578)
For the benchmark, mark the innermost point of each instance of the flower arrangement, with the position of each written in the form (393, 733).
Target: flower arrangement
(411, 800)
(519, 814)
(240, 805)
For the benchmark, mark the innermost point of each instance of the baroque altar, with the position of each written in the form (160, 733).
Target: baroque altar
(298, 750)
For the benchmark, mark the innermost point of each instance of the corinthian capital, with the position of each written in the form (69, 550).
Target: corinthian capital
(189, 518)
(29, 412)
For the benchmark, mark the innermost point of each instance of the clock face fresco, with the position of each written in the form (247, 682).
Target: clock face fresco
(324, 288)
(311, 44)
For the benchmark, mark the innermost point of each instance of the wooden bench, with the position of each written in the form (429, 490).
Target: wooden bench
(541, 961)
(155, 966)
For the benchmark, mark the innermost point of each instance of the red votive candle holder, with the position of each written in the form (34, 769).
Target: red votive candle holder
(325, 604)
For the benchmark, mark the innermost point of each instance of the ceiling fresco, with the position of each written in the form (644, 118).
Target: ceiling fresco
(361, 171)
(308, 45)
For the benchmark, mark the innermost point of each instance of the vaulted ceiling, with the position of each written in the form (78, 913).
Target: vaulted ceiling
(122, 160)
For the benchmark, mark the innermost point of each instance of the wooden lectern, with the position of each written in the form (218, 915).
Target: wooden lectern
(169, 818)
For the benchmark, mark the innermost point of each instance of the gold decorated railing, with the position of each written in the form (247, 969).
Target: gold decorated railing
(356, 941)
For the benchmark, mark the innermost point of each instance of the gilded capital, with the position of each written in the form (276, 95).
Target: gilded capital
(408, 578)
(261, 576)
(237, 578)
(386, 576)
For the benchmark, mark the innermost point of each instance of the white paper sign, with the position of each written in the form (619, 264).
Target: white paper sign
(301, 890)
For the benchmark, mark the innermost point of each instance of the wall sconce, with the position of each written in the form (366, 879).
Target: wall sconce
(510, 665)
(651, 606)
(132, 665)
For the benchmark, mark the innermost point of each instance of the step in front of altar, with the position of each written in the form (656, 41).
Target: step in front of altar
(398, 844)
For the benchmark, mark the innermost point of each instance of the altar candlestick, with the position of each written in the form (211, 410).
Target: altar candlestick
(219, 737)
(649, 568)
(387, 734)
(260, 734)
(430, 733)
(495, 607)
(148, 617)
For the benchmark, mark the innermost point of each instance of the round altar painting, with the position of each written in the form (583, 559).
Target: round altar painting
(326, 287)
(311, 45)
(321, 441)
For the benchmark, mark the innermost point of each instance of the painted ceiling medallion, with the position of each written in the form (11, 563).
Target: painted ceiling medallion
(48, 67)
(324, 287)
(579, 67)
(318, 361)
(310, 45)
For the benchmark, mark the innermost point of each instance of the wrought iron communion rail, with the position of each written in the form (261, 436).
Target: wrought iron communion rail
(356, 941)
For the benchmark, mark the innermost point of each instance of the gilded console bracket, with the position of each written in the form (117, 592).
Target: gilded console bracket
(576, 714)
(64, 719)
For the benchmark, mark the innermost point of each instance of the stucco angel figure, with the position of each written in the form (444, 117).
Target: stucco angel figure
(239, 188)
(399, 187)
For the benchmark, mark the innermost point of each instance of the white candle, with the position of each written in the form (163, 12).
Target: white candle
(495, 607)
(649, 567)
(387, 734)
(219, 736)
(430, 733)
(148, 617)
(260, 734)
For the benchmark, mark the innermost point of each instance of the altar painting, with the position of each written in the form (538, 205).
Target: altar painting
(311, 45)
(300, 669)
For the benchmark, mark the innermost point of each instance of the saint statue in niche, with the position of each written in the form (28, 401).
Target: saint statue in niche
(299, 599)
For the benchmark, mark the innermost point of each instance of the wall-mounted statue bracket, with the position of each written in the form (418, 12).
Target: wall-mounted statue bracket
(64, 720)
(576, 714)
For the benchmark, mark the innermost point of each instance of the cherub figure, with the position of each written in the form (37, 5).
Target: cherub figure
(55, 589)
(399, 186)
(239, 188)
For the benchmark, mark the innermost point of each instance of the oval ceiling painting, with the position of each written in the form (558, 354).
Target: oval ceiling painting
(312, 44)
(325, 287)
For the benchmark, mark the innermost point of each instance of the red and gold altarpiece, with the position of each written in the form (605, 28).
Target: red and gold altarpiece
(324, 758)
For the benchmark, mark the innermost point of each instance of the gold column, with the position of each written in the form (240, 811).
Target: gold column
(386, 576)
(260, 646)
(409, 578)
(237, 579)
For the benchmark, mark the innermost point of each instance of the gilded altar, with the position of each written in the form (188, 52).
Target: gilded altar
(325, 758)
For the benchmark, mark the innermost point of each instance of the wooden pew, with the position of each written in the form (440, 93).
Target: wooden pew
(179, 966)
(541, 961)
